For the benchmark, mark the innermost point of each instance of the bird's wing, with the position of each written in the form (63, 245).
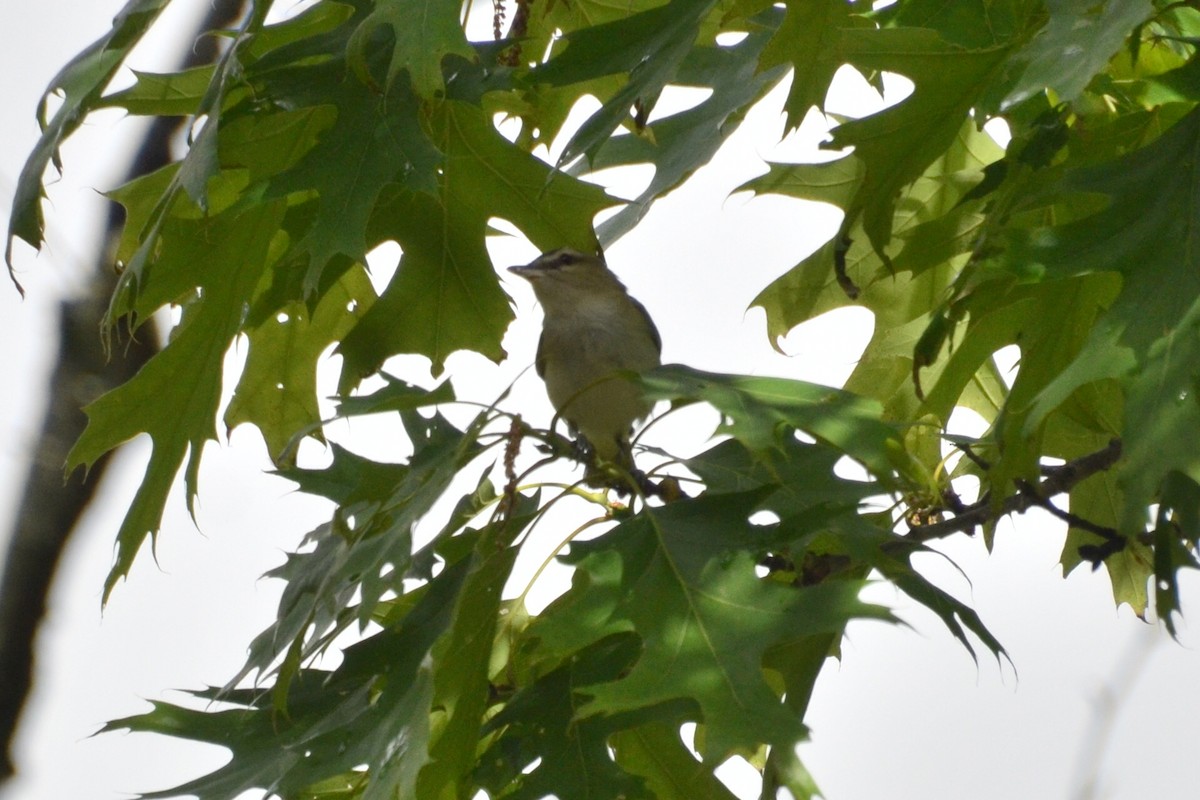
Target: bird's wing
(649, 324)
(539, 361)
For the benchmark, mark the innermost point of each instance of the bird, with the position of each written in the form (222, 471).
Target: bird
(593, 334)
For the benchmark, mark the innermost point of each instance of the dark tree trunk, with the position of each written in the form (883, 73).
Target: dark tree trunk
(49, 508)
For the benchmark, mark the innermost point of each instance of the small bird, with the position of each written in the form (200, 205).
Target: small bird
(592, 332)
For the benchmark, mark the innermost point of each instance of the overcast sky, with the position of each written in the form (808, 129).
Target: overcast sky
(906, 712)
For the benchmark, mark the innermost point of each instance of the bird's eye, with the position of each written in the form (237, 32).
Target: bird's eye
(565, 259)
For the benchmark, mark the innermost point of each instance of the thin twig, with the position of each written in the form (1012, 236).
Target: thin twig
(1074, 520)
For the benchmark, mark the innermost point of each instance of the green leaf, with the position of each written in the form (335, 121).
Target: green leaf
(198, 176)
(445, 295)
(656, 754)
(1049, 322)
(278, 389)
(929, 241)
(958, 617)
(808, 41)
(375, 141)
(335, 721)
(801, 475)
(395, 395)
(141, 198)
(897, 144)
(581, 14)
(987, 333)
(1052, 335)
(462, 659)
(968, 23)
(1172, 86)
(1175, 538)
(296, 36)
(349, 479)
(677, 576)
(809, 288)
(81, 81)
(1162, 415)
(269, 144)
(423, 31)
(784, 769)
(366, 551)
(834, 182)
(541, 747)
(683, 142)
(1146, 235)
(175, 226)
(857, 543)
(200, 164)
(543, 107)
(1076, 44)
(170, 94)
(935, 229)
(174, 397)
(649, 46)
(760, 410)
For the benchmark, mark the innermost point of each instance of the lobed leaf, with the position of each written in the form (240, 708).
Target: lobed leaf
(423, 34)
(174, 398)
(81, 81)
(679, 578)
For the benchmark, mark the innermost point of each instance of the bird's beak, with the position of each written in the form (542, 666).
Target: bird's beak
(527, 271)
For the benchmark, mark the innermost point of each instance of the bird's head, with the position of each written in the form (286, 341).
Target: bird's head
(566, 277)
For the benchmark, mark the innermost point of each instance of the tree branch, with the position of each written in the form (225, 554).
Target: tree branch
(49, 509)
(1057, 481)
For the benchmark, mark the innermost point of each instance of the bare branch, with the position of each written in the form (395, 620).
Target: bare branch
(1057, 481)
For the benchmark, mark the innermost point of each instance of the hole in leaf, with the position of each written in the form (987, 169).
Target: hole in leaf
(763, 518)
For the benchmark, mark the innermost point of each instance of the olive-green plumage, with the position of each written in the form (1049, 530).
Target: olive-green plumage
(592, 332)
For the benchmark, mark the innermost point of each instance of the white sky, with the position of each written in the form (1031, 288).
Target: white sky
(906, 712)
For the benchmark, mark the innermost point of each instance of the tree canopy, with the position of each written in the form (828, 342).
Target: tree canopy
(328, 129)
